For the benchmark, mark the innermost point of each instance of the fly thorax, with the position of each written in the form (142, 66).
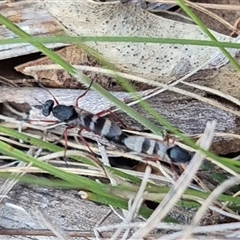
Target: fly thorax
(64, 113)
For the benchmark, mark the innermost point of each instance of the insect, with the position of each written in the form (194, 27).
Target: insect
(156, 149)
(153, 150)
(74, 116)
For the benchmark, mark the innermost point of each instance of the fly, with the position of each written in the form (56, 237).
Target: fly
(76, 117)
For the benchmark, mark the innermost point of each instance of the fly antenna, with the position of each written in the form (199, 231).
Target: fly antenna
(38, 106)
(89, 87)
(56, 101)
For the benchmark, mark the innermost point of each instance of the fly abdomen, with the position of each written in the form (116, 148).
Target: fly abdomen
(102, 126)
(111, 129)
(141, 144)
(179, 155)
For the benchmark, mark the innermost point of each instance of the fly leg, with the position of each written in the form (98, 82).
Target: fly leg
(45, 121)
(65, 141)
(169, 141)
(113, 115)
(85, 142)
(84, 93)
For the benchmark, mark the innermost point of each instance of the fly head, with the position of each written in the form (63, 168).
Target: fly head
(47, 107)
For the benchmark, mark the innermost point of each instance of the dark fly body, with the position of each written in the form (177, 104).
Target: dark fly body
(76, 117)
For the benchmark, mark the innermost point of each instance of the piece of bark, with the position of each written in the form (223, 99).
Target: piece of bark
(186, 114)
(32, 18)
(65, 207)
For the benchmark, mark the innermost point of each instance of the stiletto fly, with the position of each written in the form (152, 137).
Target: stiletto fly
(76, 117)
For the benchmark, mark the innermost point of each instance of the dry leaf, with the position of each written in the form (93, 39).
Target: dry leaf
(227, 15)
(60, 78)
(226, 80)
(160, 62)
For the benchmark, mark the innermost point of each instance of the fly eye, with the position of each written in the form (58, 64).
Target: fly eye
(47, 107)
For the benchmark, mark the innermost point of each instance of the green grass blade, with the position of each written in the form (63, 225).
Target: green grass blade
(80, 39)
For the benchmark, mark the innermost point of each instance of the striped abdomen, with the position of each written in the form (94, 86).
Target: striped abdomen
(102, 126)
(161, 149)
(144, 145)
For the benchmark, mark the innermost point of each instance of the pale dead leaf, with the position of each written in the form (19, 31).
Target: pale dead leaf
(160, 62)
(60, 78)
(227, 15)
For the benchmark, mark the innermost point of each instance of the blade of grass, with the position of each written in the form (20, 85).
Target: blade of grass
(42, 144)
(83, 183)
(53, 148)
(80, 39)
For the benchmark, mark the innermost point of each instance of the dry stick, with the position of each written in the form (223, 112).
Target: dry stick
(217, 60)
(176, 227)
(208, 63)
(212, 197)
(113, 181)
(44, 232)
(180, 186)
(214, 91)
(148, 81)
(43, 128)
(9, 183)
(200, 7)
(224, 213)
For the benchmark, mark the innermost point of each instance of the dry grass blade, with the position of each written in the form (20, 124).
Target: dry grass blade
(136, 204)
(180, 186)
(205, 205)
(217, 229)
(202, 7)
(9, 184)
(214, 91)
(213, 15)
